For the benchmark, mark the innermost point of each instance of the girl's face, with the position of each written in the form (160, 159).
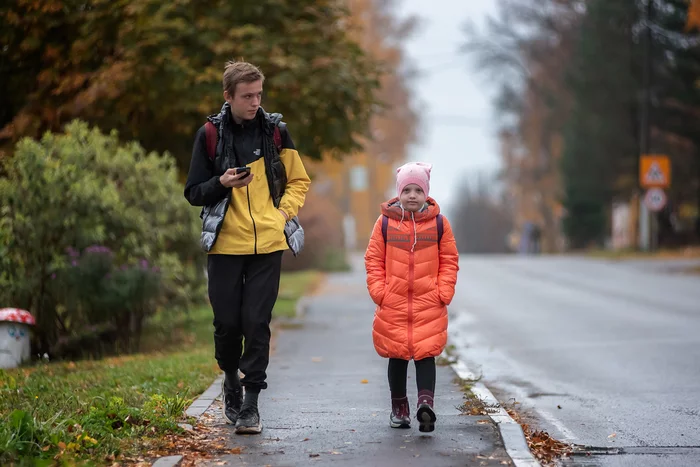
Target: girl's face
(412, 198)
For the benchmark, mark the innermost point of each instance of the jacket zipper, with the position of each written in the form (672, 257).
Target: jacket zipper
(255, 229)
(411, 274)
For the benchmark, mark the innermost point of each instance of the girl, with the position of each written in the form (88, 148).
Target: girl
(412, 265)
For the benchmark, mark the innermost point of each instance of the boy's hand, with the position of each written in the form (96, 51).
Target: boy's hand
(230, 179)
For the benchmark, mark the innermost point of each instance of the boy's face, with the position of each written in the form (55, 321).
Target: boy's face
(412, 197)
(246, 100)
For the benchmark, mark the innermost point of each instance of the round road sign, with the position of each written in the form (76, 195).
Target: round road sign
(655, 199)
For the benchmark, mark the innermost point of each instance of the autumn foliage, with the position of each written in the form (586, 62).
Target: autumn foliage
(152, 69)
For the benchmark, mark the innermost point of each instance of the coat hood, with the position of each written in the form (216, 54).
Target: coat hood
(393, 210)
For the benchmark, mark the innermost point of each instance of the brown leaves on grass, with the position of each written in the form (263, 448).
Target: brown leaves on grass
(545, 448)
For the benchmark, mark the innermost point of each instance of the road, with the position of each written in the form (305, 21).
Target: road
(597, 353)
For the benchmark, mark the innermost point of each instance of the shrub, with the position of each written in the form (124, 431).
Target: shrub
(68, 192)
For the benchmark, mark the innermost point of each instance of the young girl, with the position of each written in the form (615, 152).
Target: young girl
(412, 265)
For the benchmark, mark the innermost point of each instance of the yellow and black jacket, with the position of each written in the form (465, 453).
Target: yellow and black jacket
(246, 221)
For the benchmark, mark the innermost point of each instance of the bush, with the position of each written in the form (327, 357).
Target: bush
(66, 192)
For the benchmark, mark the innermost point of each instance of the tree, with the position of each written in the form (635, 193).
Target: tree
(481, 222)
(601, 137)
(152, 70)
(677, 94)
(525, 50)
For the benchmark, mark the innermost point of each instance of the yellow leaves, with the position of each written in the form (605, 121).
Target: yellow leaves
(364, 381)
(73, 447)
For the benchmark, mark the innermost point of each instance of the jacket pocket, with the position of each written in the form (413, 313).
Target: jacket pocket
(437, 292)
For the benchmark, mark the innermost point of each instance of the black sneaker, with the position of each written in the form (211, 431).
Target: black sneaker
(426, 418)
(249, 422)
(233, 400)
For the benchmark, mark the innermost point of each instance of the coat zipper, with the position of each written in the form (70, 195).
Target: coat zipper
(255, 229)
(411, 274)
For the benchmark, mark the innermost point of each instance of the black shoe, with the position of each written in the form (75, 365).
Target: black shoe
(426, 418)
(249, 422)
(233, 400)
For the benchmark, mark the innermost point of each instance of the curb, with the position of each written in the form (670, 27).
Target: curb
(202, 403)
(302, 306)
(511, 432)
(170, 461)
(207, 398)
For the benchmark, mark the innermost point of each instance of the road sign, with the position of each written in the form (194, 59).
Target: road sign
(655, 199)
(655, 171)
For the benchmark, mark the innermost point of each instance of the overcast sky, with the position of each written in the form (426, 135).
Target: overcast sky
(457, 134)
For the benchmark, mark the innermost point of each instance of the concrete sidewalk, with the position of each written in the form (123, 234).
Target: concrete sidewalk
(328, 399)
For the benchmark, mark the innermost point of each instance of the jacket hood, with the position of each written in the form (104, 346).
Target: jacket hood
(392, 209)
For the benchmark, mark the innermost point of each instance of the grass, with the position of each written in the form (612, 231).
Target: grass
(116, 409)
(294, 285)
(680, 253)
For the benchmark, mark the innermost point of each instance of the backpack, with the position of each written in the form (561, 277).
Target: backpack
(438, 220)
(212, 136)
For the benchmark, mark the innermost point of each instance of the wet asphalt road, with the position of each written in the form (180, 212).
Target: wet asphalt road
(328, 401)
(597, 353)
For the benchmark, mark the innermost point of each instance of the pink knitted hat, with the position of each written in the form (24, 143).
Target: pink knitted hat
(413, 172)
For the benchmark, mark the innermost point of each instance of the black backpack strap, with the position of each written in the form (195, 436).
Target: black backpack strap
(385, 226)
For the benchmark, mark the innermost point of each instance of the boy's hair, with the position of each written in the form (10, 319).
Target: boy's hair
(240, 72)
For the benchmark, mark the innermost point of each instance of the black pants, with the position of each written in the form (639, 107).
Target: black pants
(425, 376)
(242, 291)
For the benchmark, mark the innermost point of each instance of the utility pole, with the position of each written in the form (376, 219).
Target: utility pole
(647, 220)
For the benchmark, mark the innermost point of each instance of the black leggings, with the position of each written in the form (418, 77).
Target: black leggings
(398, 370)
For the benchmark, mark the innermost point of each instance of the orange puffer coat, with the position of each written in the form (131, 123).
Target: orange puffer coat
(412, 281)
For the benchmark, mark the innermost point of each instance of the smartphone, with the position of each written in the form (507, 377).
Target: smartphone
(241, 170)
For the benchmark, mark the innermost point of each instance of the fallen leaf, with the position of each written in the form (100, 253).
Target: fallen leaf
(236, 450)
(46, 448)
(305, 439)
(364, 381)
(314, 455)
(559, 407)
(482, 422)
(71, 365)
(62, 445)
(336, 453)
(614, 435)
(317, 359)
